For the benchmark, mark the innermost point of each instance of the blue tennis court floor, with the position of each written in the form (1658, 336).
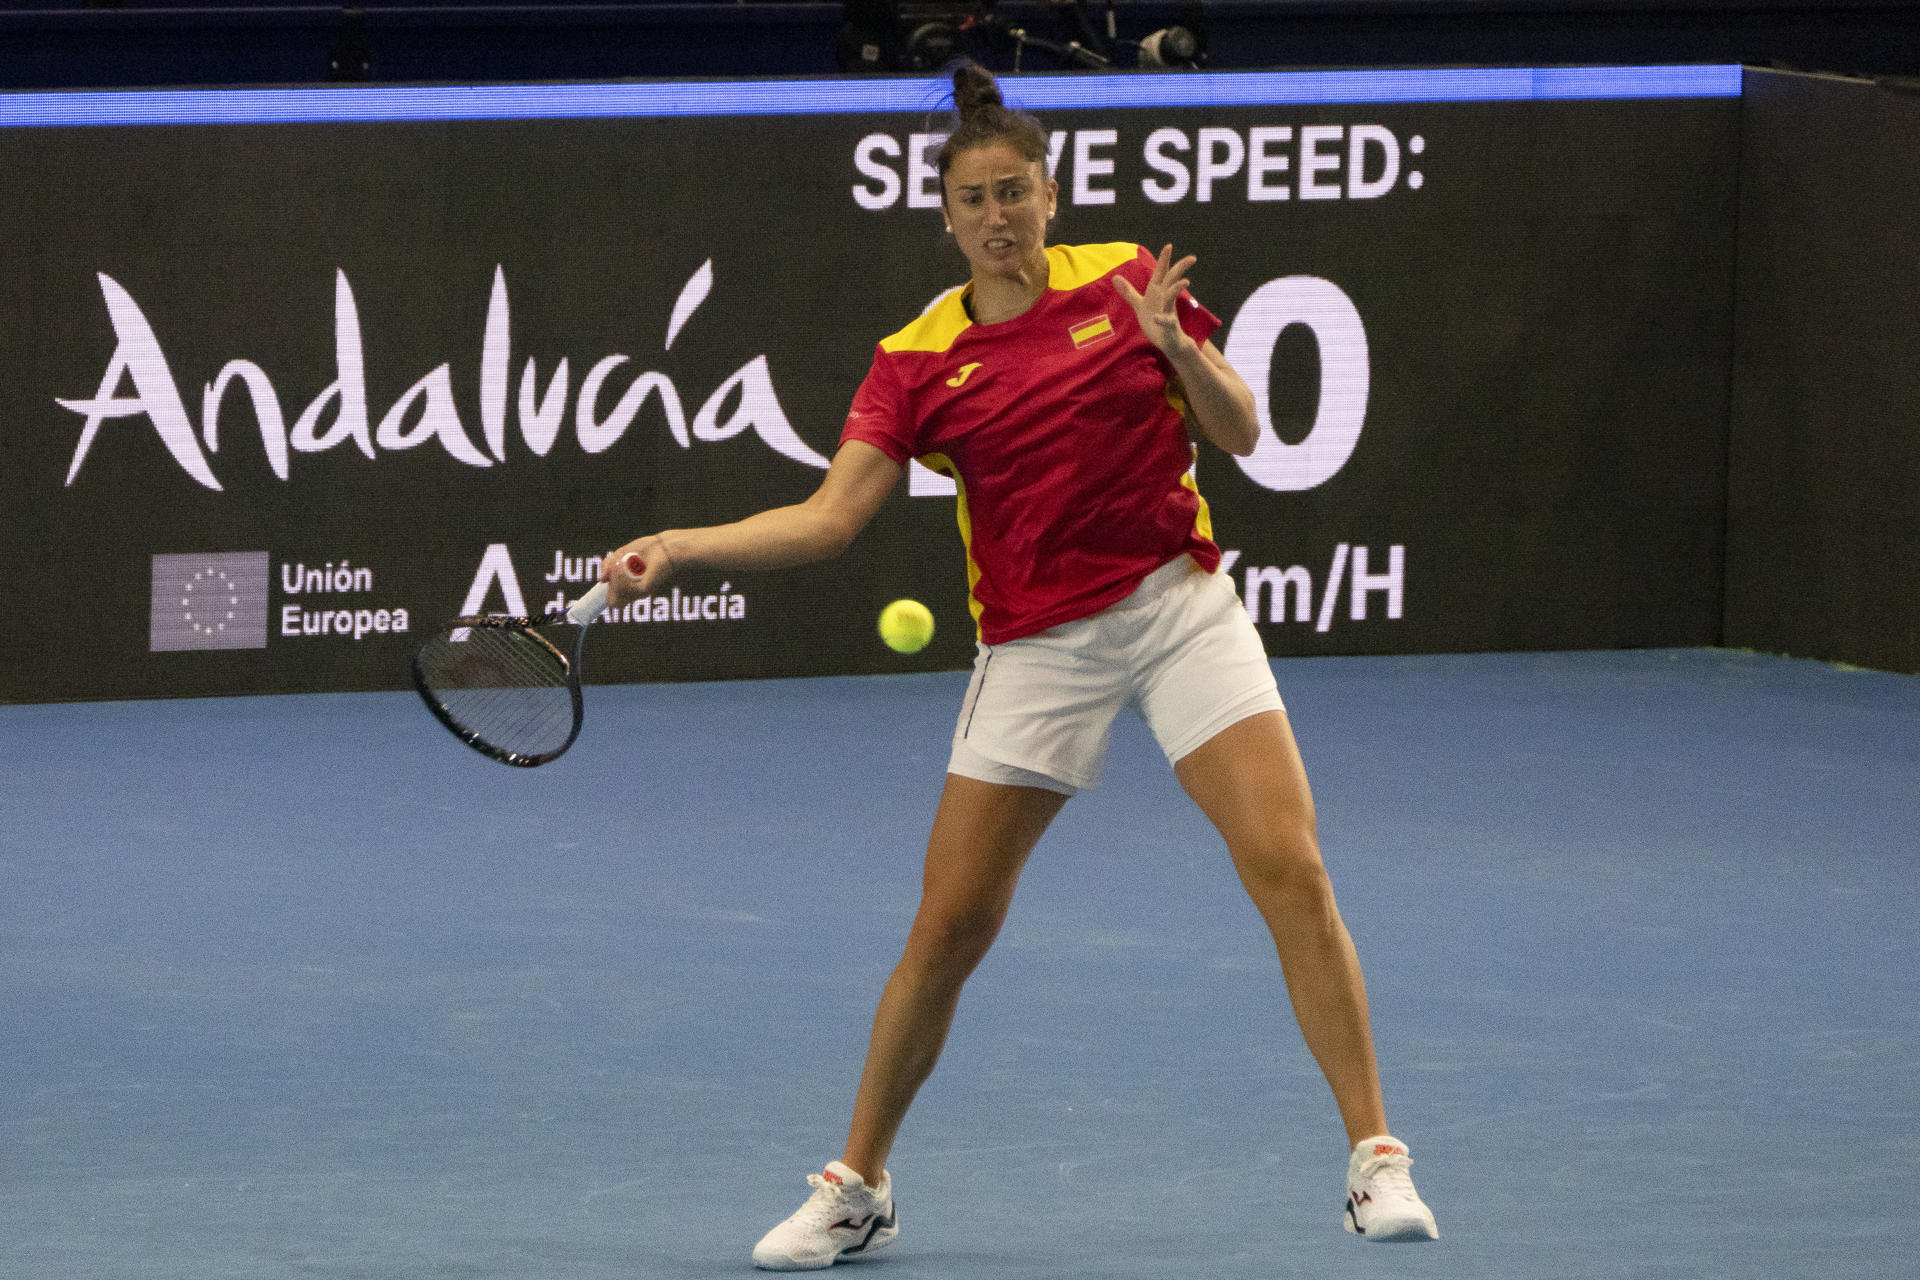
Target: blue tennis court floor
(299, 987)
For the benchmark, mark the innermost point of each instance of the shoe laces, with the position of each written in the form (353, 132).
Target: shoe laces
(1388, 1175)
(829, 1200)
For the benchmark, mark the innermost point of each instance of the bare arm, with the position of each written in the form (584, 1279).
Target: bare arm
(1217, 398)
(820, 528)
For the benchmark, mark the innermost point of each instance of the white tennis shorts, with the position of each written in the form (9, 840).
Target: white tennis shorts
(1180, 649)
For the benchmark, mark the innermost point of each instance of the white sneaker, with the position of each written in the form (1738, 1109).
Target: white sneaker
(1381, 1201)
(843, 1218)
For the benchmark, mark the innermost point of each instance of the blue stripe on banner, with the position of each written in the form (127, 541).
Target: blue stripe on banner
(843, 97)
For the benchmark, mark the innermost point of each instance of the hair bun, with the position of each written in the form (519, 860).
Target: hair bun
(974, 88)
(981, 118)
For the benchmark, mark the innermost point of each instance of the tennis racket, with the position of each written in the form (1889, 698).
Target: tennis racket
(502, 687)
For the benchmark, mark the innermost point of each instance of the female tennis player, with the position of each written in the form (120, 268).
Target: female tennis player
(1059, 389)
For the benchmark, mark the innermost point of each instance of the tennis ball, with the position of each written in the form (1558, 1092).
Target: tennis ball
(906, 626)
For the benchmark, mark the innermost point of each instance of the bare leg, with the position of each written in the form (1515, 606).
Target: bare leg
(981, 837)
(1250, 783)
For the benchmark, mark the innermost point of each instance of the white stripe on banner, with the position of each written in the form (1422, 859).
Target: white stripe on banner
(851, 97)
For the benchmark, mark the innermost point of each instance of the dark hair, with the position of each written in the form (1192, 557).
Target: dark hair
(981, 116)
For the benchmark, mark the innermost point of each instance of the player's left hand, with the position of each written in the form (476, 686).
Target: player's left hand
(1159, 319)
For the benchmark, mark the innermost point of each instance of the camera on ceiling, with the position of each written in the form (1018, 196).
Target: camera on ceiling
(1170, 49)
(918, 35)
(887, 35)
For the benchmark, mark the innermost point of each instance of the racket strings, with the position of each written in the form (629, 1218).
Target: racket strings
(521, 722)
(501, 685)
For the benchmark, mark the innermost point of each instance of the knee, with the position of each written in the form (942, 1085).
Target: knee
(1281, 868)
(949, 941)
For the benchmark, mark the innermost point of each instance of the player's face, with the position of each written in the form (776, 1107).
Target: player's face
(997, 206)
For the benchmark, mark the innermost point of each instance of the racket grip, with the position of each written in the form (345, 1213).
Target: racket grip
(589, 606)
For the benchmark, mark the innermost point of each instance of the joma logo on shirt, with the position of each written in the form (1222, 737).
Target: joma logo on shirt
(966, 371)
(1089, 332)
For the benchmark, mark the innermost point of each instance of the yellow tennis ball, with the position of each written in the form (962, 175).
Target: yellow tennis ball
(906, 626)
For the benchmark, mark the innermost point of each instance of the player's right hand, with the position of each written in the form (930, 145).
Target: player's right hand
(623, 584)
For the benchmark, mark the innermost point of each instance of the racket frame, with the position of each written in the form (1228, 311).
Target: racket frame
(531, 628)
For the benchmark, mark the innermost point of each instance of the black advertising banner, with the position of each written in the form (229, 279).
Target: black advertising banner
(1823, 511)
(289, 387)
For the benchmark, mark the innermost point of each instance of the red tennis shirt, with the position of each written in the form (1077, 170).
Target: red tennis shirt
(1064, 430)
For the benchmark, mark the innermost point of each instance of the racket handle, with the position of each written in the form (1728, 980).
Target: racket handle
(594, 602)
(589, 606)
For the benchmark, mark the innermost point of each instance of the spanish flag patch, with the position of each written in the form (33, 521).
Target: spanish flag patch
(1089, 332)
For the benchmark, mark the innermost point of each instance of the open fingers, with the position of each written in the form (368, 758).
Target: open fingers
(1165, 262)
(1170, 276)
(1157, 305)
(1175, 276)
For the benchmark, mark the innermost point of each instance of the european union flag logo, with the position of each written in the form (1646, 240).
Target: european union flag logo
(209, 601)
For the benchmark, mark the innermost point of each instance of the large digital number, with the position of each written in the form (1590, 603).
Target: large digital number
(1322, 307)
